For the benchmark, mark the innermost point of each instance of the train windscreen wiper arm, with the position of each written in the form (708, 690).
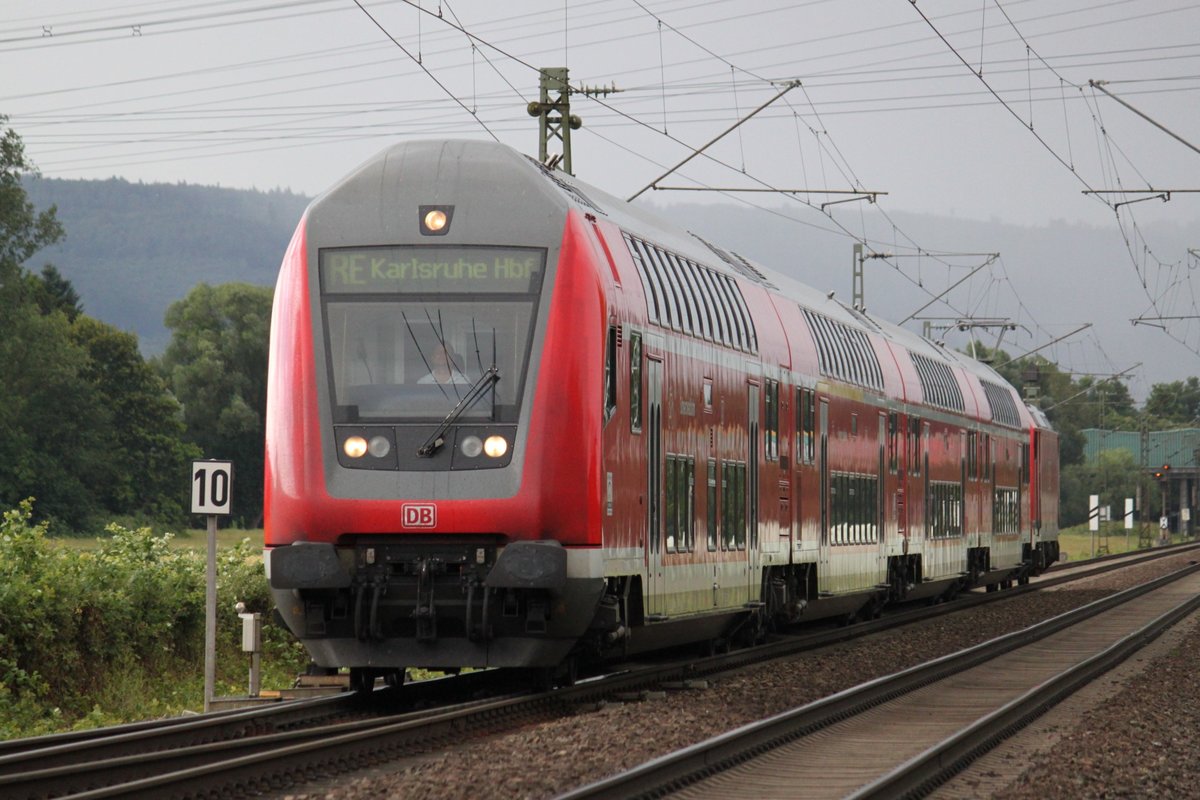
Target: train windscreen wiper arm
(477, 390)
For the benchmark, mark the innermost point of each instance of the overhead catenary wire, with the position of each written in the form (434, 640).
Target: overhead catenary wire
(425, 69)
(700, 150)
(371, 123)
(1102, 134)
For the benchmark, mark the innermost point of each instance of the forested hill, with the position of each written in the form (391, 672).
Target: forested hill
(132, 249)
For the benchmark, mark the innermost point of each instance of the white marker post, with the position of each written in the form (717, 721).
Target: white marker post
(1093, 518)
(212, 490)
(1128, 519)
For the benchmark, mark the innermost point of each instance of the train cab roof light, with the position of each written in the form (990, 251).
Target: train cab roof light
(435, 220)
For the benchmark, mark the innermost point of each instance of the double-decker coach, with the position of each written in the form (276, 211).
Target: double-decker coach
(513, 421)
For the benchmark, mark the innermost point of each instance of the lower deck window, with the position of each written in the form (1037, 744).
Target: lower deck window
(854, 508)
(1006, 511)
(681, 503)
(733, 505)
(944, 510)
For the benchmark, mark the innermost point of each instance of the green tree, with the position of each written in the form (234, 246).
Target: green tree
(53, 438)
(49, 422)
(86, 426)
(23, 230)
(148, 461)
(216, 365)
(1175, 403)
(52, 292)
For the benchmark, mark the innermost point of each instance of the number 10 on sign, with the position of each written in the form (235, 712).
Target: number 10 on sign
(212, 485)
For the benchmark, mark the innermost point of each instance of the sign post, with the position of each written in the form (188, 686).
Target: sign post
(212, 488)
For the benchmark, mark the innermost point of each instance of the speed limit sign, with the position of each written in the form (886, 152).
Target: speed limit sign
(212, 487)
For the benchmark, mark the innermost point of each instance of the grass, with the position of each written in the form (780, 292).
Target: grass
(187, 539)
(1078, 542)
(226, 537)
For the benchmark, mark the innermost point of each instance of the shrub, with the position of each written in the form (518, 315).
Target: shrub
(90, 638)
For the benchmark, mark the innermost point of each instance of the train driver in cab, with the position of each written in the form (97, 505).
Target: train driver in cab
(444, 367)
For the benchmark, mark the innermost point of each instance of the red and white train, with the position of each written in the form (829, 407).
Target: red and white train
(513, 421)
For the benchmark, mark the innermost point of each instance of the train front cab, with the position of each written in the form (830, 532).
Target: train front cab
(414, 524)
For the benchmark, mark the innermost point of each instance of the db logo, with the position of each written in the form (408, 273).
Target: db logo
(418, 515)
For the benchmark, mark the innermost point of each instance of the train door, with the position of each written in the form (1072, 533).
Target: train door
(898, 457)
(882, 487)
(752, 497)
(924, 463)
(823, 471)
(776, 474)
(988, 515)
(1035, 486)
(805, 457)
(654, 490)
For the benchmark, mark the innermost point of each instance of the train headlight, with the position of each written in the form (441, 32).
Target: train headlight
(355, 446)
(495, 446)
(471, 446)
(379, 446)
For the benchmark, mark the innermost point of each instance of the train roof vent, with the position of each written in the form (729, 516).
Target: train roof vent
(844, 352)
(737, 262)
(860, 314)
(571, 191)
(1000, 400)
(937, 382)
(750, 271)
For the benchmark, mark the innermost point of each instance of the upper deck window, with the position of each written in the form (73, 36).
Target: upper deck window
(691, 298)
(844, 352)
(938, 383)
(1001, 403)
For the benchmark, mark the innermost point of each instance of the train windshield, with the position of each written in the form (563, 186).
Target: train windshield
(410, 330)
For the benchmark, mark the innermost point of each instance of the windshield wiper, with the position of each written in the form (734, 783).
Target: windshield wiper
(486, 381)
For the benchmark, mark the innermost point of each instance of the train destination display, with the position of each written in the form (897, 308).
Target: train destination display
(431, 270)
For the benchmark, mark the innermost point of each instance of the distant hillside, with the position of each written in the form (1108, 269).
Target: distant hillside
(132, 249)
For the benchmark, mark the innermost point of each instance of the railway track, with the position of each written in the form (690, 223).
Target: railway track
(251, 751)
(904, 734)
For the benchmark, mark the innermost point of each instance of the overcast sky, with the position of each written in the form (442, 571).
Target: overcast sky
(977, 110)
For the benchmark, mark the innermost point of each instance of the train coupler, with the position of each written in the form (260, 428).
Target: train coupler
(425, 613)
(367, 624)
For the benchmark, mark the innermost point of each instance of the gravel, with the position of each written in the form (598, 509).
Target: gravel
(1140, 742)
(1123, 749)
